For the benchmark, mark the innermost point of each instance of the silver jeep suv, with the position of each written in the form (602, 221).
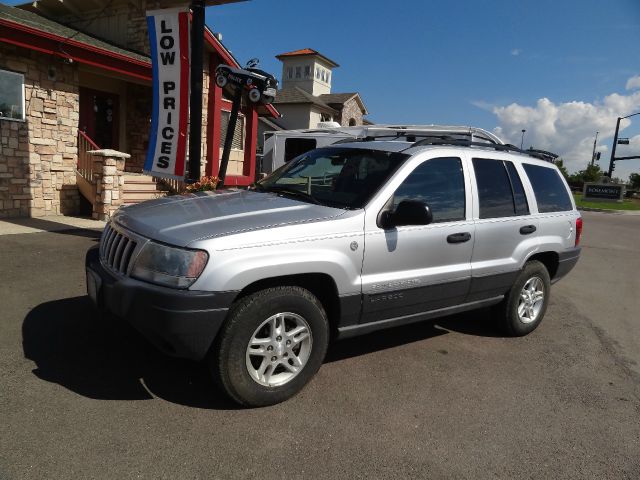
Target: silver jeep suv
(341, 241)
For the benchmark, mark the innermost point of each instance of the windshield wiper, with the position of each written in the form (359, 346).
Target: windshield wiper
(290, 191)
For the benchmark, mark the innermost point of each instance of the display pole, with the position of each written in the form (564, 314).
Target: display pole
(231, 127)
(195, 101)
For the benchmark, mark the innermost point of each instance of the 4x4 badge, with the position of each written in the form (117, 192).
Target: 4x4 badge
(354, 246)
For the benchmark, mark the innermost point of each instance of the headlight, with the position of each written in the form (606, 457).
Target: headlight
(169, 266)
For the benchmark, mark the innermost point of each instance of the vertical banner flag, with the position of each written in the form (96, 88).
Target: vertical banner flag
(169, 41)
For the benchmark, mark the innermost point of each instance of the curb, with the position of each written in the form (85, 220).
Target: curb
(610, 211)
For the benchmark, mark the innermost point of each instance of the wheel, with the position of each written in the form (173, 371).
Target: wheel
(271, 345)
(526, 303)
(254, 95)
(221, 81)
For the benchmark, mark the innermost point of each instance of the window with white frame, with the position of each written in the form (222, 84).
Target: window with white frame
(11, 95)
(307, 71)
(290, 72)
(298, 72)
(318, 73)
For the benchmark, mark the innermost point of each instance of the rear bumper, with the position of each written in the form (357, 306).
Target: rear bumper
(181, 323)
(567, 260)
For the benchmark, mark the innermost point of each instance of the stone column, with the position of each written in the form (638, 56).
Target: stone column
(108, 176)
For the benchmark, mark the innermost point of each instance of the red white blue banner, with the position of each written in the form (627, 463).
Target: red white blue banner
(169, 41)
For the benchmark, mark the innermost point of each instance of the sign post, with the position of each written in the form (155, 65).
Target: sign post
(197, 47)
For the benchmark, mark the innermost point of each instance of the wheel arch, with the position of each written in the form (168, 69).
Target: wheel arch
(551, 261)
(322, 285)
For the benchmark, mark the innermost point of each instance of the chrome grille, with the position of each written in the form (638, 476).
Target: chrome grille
(116, 250)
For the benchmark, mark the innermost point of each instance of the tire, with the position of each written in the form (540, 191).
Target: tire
(253, 359)
(221, 81)
(254, 95)
(522, 310)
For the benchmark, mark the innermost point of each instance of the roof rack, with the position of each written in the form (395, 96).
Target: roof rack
(441, 140)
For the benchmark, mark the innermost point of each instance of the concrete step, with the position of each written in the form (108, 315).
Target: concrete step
(129, 178)
(141, 196)
(135, 186)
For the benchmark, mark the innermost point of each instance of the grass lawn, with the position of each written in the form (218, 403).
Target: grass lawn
(628, 204)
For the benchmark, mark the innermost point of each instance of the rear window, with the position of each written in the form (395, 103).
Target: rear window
(551, 193)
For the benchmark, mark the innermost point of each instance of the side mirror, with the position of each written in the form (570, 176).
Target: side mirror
(408, 212)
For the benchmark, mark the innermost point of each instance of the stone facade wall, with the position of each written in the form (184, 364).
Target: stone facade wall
(350, 110)
(108, 168)
(138, 125)
(38, 155)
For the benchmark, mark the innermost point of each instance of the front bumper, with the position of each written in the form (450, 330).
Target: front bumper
(181, 323)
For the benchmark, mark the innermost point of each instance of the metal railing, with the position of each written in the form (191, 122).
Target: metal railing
(85, 160)
(176, 186)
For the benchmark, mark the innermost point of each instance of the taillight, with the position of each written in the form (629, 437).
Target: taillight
(578, 230)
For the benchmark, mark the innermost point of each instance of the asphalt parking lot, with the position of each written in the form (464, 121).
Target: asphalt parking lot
(83, 396)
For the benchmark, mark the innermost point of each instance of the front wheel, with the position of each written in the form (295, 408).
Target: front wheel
(272, 344)
(526, 303)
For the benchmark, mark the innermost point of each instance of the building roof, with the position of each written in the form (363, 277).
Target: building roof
(297, 95)
(42, 24)
(306, 51)
(339, 99)
(32, 30)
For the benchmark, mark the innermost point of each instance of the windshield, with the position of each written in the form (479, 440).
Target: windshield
(335, 177)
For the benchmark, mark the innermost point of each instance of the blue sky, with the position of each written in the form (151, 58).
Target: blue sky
(561, 69)
(463, 62)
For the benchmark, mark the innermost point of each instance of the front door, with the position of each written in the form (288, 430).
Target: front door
(413, 269)
(99, 115)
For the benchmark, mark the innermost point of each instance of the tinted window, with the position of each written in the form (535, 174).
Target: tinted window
(294, 147)
(494, 188)
(519, 197)
(439, 182)
(551, 194)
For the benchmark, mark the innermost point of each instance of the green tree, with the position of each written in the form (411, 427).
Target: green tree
(560, 164)
(634, 180)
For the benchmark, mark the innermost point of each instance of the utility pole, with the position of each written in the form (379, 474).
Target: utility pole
(593, 155)
(615, 143)
(522, 139)
(195, 101)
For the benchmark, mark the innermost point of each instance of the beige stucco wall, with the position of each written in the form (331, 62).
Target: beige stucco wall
(310, 84)
(295, 115)
(38, 155)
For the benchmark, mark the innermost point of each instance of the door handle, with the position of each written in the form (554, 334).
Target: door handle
(527, 229)
(459, 237)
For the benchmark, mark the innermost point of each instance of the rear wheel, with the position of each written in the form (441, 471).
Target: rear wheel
(272, 344)
(526, 303)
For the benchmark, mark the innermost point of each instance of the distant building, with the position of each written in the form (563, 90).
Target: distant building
(306, 99)
(76, 76)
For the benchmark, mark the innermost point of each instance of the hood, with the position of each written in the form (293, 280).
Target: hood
(182, 219)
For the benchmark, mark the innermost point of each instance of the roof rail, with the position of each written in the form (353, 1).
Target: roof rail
(539, 154)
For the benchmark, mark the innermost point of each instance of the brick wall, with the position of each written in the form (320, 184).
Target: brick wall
(350, 110)
(38, 156)
(138, 113)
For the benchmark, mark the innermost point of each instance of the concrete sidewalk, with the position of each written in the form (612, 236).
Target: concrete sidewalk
(13, 226)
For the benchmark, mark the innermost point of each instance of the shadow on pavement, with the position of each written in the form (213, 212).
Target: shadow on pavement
(102, 357)
(55, 227)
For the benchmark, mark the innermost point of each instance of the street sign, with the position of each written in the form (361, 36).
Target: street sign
(169, 42)
(603, 191)
(623, 141)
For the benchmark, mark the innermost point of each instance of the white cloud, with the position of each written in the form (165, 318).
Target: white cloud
(569, 128)
(633, 83)
(515, 52)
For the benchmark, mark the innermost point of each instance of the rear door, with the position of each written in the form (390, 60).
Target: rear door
(506, 232)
